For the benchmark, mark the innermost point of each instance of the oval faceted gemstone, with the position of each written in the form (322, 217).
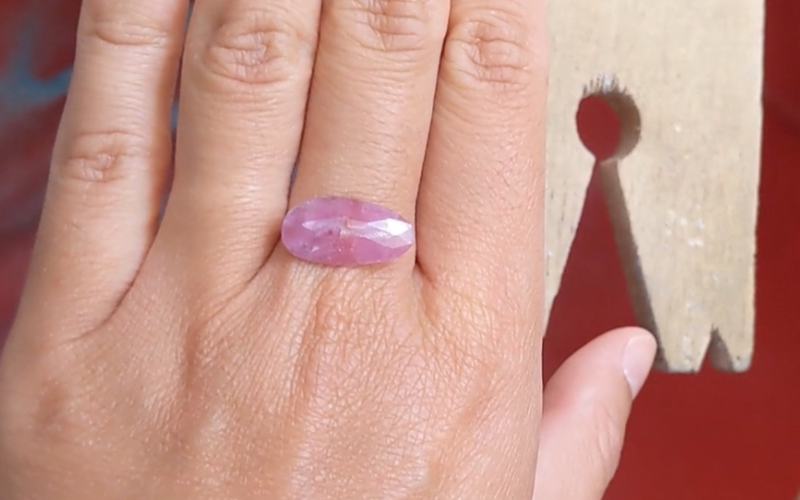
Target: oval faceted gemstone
(345, 232)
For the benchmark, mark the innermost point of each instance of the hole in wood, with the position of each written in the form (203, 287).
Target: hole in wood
(609, 126)
(608, 120)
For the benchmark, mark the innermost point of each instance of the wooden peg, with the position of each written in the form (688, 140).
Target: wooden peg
(685, 80)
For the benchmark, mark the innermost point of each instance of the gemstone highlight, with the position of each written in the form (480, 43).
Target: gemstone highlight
(344, 232)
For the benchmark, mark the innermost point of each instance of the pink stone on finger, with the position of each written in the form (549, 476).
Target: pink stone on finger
(344, 232)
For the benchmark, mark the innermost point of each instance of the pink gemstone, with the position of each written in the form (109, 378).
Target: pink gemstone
(345, 232)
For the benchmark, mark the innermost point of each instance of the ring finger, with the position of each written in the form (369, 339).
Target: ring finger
(371, 101)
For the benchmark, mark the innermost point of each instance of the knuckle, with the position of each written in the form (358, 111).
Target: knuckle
(62, 408)
(392, 26)
(256, 47)
(489, 49)
(132, 30)
(103, 157)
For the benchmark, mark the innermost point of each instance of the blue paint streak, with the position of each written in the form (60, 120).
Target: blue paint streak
(20, 89)
(174, 116)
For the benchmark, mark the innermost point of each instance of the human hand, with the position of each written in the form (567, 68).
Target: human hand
(199, 358)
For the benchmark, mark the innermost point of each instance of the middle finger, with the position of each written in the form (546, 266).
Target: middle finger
(246, 71)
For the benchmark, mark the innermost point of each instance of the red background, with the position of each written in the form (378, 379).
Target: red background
(698, 437)
(713, 435)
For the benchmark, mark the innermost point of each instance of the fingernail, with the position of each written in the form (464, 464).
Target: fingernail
(637, 361)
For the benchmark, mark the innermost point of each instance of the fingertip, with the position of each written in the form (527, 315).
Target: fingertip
(619, 362)
(637, 360)
(586, 408)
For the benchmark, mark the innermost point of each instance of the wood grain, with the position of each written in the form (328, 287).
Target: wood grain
(685, 79)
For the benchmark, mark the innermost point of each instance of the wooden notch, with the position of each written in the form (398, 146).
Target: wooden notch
(685, 80)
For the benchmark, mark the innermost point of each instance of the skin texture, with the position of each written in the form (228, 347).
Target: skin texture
(196, 358)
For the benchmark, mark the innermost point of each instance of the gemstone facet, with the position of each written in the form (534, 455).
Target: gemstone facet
(344, 232)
